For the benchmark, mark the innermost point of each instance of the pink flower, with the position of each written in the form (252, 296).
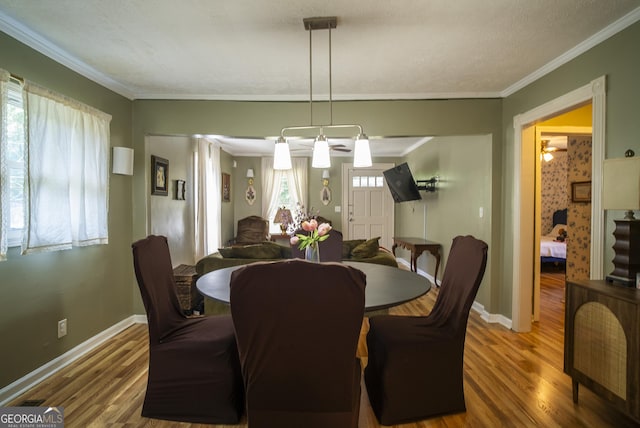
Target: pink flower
(294, 240)
(323, 229)
(309, 226)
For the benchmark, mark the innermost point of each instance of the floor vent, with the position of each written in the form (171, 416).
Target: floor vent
(31, 403)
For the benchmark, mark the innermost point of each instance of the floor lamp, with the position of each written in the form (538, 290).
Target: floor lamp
(621, 191)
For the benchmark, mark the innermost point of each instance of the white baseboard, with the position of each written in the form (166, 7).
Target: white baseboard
(26, 382)
(486, 316)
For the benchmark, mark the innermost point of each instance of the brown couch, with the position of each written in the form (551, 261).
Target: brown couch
(359, 250)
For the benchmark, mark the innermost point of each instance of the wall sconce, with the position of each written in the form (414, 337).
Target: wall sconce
(250, 194)
(325, 177)
(122, 161)
(325, 193)
(621, 191)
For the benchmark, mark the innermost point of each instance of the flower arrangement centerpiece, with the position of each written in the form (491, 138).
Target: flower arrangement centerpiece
(316, 233)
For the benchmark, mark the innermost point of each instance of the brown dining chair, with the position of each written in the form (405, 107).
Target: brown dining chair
(415, 364)
(297, 326)
(194, 370)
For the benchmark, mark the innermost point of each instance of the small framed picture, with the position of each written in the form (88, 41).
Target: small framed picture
(159, 176)
(581, 191)
(180, 190)
(226, 187)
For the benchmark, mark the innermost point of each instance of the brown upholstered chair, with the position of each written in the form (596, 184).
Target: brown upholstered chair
(251, 230)
(297, 326)
(330, 248)
(414, 369)
(194, 370)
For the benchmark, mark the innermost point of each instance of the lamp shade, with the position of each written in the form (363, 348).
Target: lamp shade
(621, 184)
(282, 215)
(281, 156)
(362, 153)
(325, 174)
(250, 173)
(122, 161)
(321, 157)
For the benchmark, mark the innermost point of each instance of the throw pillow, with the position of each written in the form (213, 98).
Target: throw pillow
(265, 250)
(366, 250)
(349, 245)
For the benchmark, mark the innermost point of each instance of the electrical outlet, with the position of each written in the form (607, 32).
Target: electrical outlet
(62, 328)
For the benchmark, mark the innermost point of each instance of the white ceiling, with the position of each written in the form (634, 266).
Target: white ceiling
(259, 50)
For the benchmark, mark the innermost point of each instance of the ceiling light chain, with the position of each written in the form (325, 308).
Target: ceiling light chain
(321, 157)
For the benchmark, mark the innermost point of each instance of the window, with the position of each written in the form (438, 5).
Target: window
(284, 199)
(54, 178)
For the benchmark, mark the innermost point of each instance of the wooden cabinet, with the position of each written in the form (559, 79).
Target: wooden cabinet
(602, 342)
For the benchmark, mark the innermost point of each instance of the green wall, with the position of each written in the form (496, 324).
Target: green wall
(91, 286)
(617, 58)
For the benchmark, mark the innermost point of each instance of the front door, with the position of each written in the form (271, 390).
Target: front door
(369, 206)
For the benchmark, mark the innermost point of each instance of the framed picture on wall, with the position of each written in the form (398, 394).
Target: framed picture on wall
(226, 187)
(581, 191)
(180, 190)
(159, 176)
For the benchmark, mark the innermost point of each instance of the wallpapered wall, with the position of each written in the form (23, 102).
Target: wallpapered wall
(579, 213)
(554, 188)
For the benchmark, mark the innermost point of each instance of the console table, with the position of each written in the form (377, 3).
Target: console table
(417, 246)
(602, 342)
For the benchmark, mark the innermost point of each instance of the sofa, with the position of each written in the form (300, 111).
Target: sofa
(357, 250)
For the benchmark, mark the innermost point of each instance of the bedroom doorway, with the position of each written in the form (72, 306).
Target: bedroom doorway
(524, 154)
(565, 158)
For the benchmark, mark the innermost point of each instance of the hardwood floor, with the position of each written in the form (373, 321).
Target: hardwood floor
(511, 379)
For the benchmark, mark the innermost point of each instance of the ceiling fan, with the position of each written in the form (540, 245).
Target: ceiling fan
(338, 147)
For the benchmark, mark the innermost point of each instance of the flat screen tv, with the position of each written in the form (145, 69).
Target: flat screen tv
(401, 183)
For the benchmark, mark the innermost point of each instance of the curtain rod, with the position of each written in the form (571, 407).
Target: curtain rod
(16, 78)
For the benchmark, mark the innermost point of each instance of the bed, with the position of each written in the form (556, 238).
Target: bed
(552, 250)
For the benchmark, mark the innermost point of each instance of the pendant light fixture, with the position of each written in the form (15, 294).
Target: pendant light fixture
(321, 157)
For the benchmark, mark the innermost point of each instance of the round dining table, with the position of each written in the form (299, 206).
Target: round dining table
(386, 287)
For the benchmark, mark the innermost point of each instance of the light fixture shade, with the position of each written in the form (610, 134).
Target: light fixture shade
(325, 174)
(250, 173)
(362, 153)
(321, 157)
(621, 184)
(282, 215)
(122, 161)
(281, 156)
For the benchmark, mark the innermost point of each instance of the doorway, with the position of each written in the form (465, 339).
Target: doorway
(369, 209)
(565, 158)
(524, 193)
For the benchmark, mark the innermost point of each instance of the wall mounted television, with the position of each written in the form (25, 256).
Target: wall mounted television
(401, 183)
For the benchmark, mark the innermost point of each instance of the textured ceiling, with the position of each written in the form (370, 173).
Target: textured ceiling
(259, 50)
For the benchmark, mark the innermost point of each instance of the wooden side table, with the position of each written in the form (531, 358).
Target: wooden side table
(281, 239)
(188, 295)
(417, 246)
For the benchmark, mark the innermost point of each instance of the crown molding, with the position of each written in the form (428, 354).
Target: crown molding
(602, 35)
(35, 41)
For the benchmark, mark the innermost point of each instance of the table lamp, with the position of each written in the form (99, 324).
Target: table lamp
(283, 215)
(621, 191)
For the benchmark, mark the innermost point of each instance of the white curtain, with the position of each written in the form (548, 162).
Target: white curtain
(4, 168)
(271, 179)
(298, 181)
(68, 177)
(208, 197)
